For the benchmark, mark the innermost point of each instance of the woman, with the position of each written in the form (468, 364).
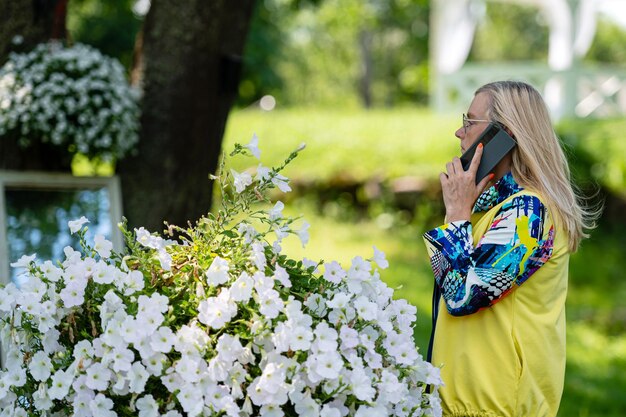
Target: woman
(501, 263)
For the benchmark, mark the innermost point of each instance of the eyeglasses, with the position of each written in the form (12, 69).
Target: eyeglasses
(469, 122)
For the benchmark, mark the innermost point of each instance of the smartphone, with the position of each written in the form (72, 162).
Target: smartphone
(496, 144)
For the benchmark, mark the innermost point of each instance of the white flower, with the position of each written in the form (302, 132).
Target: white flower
(328, 364)
(73, 295)
(215, 312)
(253, 146)
(367, 411)
(98, 377)
(229, 348)
(277, 211)
(241, 290)
(132, 282)
(262, 173)
(241, 180)
(154, 364)
(366, 309)
(300, 338)
(271, 410)
(333, 272)
(218, 272)
(16, 377)
(80, 404)
(360, 268)
(361, 385)
(61, 383)
(162, 340)
(138, 376)
(271, 304)
(76, 225)
(40, 366)
(317, 304)
(340, 300)
(281, 275)
(303, 233)
(147, 406)
(258, 255)
(281, 181)
(273, 377)
(379, 258)
(190, 398)
(24, 261)
(307, 407)
(325, 337)
(104, 273)
(102, 246)
(349, 338)
(41, 399)
(122, 359)
(101, 406)
(329, 411)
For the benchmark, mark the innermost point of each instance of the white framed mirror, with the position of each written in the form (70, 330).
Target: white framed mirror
(36, 206)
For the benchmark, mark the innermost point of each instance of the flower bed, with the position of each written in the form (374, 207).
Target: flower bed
(217, 322)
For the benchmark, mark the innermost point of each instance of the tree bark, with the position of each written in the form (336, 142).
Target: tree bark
(367, 67)
(31, 22)
(191, 64)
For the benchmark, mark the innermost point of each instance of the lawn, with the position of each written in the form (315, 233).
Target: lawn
(410, 142)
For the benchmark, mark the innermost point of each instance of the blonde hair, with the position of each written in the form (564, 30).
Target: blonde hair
(538, 161)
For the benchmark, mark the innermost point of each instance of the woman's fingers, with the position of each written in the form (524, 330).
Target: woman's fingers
(456, 163)
(450, 168)
(476, 159)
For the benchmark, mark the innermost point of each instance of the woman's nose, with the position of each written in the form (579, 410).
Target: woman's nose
(460, 132)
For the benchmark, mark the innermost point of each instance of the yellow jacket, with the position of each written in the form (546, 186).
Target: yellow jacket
(507, 359)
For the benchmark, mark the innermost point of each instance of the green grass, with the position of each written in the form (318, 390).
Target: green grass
(385, 144)
(354, 143)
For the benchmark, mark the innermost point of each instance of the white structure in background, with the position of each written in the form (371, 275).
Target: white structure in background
(569, 88)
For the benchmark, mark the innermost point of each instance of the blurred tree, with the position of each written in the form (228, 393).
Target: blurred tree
(191, 59)
(510, 32)
(111, 26)
(608, 45)
(346, 52)
(24, 24)
(263, 50)
(266, 47)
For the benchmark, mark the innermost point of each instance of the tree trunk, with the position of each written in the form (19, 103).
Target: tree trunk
(191, 63)
(24, 24)
(29, 23)
(367, 67)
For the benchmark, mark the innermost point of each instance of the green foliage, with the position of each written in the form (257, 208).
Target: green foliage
(312, 52)
(352, 143)
(595, 152)
(110, 26)
(607, 46)
(510, 32)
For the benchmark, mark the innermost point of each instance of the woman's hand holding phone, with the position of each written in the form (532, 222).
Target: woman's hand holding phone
(459, 187)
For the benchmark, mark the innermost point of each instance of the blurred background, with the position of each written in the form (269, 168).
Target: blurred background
(375, 88)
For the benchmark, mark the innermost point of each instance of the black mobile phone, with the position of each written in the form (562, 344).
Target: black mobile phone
(496, 144)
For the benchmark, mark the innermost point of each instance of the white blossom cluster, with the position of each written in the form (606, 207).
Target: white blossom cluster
(199, 329)
(73, 97)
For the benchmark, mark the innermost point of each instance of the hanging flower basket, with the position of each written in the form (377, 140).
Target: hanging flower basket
(71, 98)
